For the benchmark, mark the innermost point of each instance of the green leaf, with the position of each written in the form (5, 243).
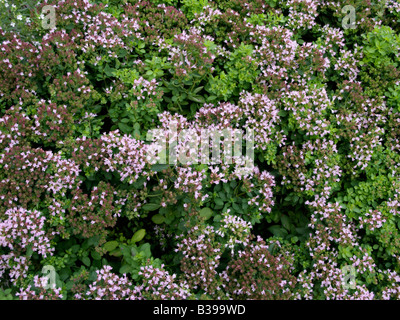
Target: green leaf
(109, 71)
(197, 99)
(93, 241)
(278, 231)
(206, 213)
(75, 248)
(158, 219)
(95, 255)
(110, 245)
(122, 53)
(285, 222)
(145, 248)
(29, 251)
(211, 98)
(282, 113)
(136, 126)
(139, 235)
(116, 253)
(86, 261)
(151, 206)
(124, 127)
(197, 90)
(303, 231)
(125, 269)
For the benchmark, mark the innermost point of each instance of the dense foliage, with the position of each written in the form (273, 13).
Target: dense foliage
(79, 193)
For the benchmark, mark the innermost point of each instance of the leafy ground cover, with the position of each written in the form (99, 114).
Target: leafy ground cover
(316, 218)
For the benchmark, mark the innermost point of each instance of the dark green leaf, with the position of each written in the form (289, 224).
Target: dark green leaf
(151, 206)
(125, 269)
(95, 255)
(124, 127)
(86, 261)
(278, 231)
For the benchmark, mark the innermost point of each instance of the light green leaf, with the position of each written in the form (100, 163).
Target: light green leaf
(206, 213)
(197, 99)
(110, 245)
(139, 235)
(158, 219)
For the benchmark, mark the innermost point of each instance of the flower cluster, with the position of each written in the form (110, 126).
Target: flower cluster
(237, 230)
(200, 259)
(372, 220)
(15, 236)
(256, 274)
(302, 14)
(38, 291)
(90, 216)
(126, 155)
(188, 54)
(52, 123)
(23, 232)
(159, 284)
(110, 286)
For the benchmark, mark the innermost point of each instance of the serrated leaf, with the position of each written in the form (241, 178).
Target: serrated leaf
(75, 248)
